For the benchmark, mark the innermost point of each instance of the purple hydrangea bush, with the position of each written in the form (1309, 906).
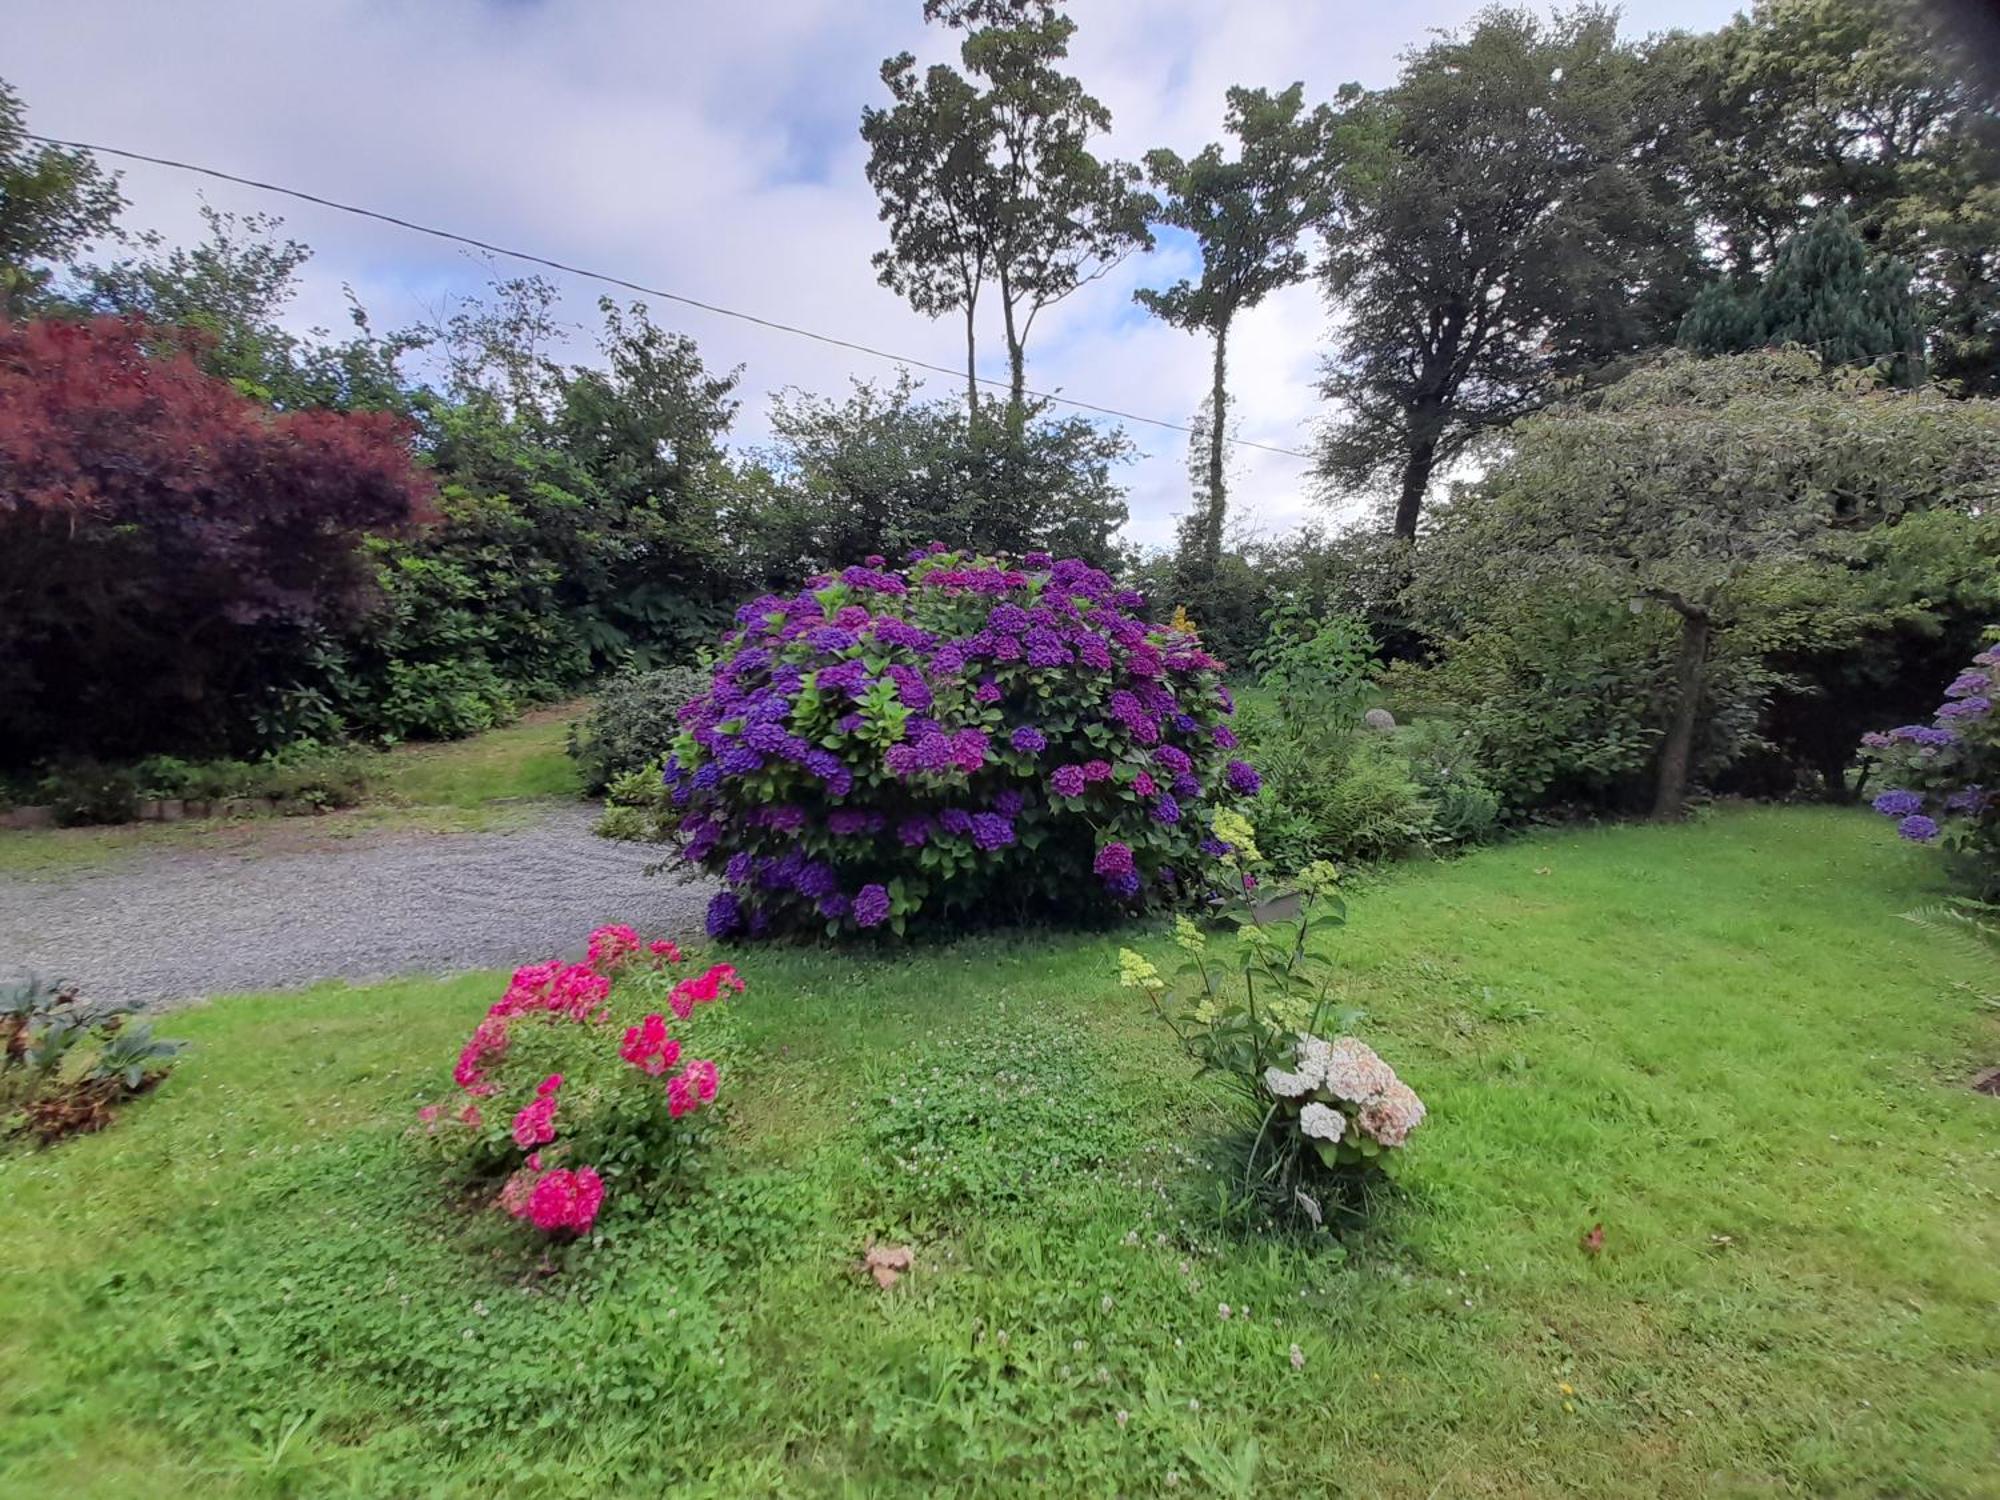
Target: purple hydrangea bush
(965, 739)
(1938, 778)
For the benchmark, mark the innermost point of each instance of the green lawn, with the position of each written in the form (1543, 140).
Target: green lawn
(1719, 1041)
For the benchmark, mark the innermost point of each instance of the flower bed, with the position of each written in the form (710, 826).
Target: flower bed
(968, 738)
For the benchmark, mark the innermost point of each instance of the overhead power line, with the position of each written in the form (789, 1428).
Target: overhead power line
(633, 286)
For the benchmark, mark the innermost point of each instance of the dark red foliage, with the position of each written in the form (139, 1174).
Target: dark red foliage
(161, 535)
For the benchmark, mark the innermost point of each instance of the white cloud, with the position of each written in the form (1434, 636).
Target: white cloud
(711, 150)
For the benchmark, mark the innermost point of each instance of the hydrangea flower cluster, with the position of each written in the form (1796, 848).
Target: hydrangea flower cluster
(567, 1011)
(967, 734)
(1939, 776)
(1341, 1096)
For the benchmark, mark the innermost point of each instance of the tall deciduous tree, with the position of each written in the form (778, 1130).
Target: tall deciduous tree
(1247, 216)
(1497, 228)
(1684, 484)
(1882, 108)
(1825, 291)
(52, 203)
(988, 176)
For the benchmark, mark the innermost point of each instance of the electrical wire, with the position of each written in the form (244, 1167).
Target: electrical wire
(633, 286)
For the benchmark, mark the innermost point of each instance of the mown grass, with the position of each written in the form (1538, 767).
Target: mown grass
(1718, 1041)
(461, 784)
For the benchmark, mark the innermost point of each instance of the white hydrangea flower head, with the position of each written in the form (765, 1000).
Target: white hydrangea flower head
(1392, 1117)
(1321, 1123)
(1353, 1072)
(1310, 1070)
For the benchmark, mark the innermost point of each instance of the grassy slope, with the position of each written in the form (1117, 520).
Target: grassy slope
(457, 784)
(1718, 1041)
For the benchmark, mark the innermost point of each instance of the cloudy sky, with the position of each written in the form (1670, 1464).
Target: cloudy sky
(706, 148)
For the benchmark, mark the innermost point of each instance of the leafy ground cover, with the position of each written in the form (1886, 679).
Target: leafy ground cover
(1718, 1042)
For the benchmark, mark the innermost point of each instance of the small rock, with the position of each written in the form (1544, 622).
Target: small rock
(1379, 718)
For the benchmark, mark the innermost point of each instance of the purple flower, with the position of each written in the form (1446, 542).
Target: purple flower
(737, 871)
(1923, 734)
(1028, 740)
(1126, 885)
(706, 777)
(934, 753)
(1967, 683)
(871, 906)
(829, 639)
(1224, 737)
(834, 907)
(1067, 781)
(846, 822)
(848, 723)
(1876, 740)
(988, 691)
(1093, 651)
(740, 760)
(992, 831)
(1967, 708)
(968, 750)
(1898, 803)
(1187, 786)
(1113, 860)
(914, 832)
(1046, 648)
(1174, 759)
(1917, 828)
(725, 914)
(1243, 778)
(1097, 770)
(1009, 803)
(901, 760)
(1166, 810)
(817, 880)
(1967, 799)
(767, 738)
(956, 821)
(1036, 559)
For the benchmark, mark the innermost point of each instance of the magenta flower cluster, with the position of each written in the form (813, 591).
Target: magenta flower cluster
(966, 737)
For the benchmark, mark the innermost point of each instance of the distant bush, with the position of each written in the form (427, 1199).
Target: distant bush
(972, 741)
(633, 721)
(305, 776)
(1464, 808)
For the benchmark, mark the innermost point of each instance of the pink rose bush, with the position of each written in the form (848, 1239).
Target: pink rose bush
(576, 1077)
(967, 738)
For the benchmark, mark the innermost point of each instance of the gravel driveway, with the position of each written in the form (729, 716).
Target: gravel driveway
(169, 925)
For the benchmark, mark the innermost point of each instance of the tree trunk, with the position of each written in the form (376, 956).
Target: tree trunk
(971, 368)
(1670, 799)
(1426, 417)
(1017, 367)
(1218, 497)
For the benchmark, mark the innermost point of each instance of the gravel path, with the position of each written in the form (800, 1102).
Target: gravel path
(169, 925)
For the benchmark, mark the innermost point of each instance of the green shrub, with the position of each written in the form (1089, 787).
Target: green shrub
(1464, 808)
(87, 791)
(632, 724)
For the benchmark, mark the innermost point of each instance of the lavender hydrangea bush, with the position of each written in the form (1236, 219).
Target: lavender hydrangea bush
(969, 738)
(1938, 778)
